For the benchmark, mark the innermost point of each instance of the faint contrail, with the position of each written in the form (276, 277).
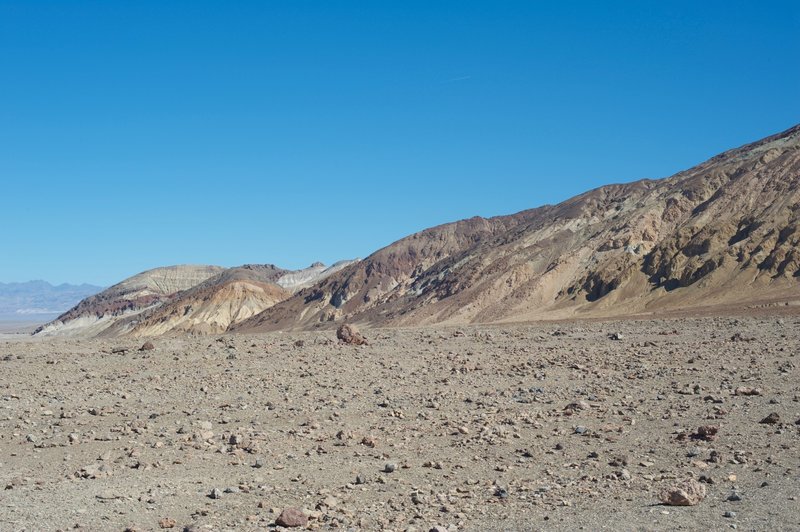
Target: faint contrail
(460, 78)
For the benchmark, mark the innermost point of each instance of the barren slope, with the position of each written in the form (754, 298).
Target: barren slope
(724, 233)
(212, 306)
(204, 300)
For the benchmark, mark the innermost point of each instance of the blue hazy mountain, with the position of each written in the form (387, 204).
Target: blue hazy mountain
(40, 300)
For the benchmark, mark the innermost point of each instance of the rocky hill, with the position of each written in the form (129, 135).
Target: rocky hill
(211, 306)
(723, 234)
(193, 299)
(129, 297)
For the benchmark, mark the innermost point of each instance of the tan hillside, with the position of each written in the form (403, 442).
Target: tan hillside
(722, 234)
(195, 299)
(127, 298)
(212, 306)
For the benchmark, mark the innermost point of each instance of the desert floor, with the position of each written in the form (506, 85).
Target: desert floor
(524, 427)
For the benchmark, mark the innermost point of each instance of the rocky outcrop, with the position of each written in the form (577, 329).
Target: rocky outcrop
(299, 279)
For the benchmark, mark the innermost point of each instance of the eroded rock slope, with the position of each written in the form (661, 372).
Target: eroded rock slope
(724, 233)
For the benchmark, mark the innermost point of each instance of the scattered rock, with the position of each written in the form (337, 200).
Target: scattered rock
(771, 419)
(147, 346)
(292, 517)
(167, 523)
(689, 493)
(746, 390)
(216, 493)
(706, 433)
(500, 493)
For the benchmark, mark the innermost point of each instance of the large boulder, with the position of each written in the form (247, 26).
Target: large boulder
(688, 493)
(348, 334)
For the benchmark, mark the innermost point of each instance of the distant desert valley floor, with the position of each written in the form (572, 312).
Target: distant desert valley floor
(554, 426)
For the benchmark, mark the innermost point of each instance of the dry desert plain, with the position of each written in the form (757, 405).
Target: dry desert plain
(546, 426)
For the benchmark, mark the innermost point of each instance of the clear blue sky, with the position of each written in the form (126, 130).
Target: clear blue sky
(139, 134)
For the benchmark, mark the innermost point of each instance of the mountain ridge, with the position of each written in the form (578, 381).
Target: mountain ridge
(724, 233)
(614, 250)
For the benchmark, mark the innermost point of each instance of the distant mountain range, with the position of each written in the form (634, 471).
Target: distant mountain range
(40, 300)
(722, 236)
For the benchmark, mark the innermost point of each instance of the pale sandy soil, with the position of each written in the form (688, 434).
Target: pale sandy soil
(475, 419)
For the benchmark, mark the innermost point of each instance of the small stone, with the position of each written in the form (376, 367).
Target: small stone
(259, 463)
(167, 523)
(500, 493)
(706, 433)
(330, 502)
(618, 461)
(771, 419)
(580, 429)
(291, 517)
(361, 479)
(747, 390)
(734, 497)
(147, 346)
(729, 514)
(689, 493)
(389, 468)
(215, 493)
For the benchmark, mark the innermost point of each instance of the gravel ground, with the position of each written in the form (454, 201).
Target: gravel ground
(570, 426)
